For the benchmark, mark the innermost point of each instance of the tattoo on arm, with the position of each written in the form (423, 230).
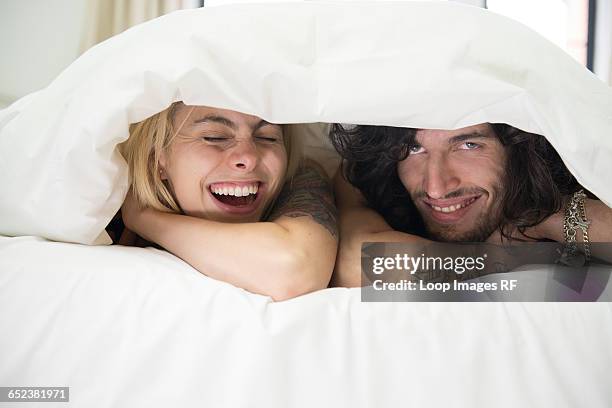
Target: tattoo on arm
(308, 194)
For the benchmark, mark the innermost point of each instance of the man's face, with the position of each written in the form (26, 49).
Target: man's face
(455, 178)
(224, 165)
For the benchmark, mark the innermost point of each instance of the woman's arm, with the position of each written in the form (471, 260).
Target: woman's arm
(290, 255)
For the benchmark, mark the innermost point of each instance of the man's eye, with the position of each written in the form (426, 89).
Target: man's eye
(470, 146)
(414, 149)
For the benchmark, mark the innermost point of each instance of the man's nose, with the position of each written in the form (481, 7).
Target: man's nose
(244, 155)
(440, 179)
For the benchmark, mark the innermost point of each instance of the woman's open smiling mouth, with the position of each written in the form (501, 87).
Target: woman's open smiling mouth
(237, 197)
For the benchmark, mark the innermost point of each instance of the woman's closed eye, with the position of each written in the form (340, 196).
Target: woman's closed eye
(268, 139)
(215, 139)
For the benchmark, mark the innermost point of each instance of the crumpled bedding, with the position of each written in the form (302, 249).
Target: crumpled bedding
(416, 64)
(126, 327)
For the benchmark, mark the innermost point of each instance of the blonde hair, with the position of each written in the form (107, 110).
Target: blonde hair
(153, 136)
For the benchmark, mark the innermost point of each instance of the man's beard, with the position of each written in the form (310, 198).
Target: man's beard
(487, 222)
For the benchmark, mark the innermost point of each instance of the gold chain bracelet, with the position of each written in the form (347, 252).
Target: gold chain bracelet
(575, 219)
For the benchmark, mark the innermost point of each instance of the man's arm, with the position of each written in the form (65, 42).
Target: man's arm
(289, 256)
(359, 224)
(600, 227)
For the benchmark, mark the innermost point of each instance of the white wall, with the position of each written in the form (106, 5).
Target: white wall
(602, 63)
(38, 39)
(210, 3)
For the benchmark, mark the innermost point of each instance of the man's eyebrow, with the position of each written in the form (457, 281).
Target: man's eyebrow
(468, 136)
(217, 119)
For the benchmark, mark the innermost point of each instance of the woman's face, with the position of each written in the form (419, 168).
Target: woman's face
(224, 165)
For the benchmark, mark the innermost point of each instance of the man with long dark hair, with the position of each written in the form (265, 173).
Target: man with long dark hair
(487, 182)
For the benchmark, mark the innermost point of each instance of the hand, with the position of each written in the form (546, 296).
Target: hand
(132, 213)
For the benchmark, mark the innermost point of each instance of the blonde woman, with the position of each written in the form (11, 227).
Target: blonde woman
(228, 193)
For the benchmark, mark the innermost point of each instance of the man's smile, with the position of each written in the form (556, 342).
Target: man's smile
(450, 211)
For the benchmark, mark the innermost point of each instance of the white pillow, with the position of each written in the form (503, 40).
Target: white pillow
(427, 65)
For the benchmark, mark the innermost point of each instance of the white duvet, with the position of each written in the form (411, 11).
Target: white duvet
(132, 327)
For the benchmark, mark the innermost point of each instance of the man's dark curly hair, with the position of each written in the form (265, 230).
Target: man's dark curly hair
(535, 186)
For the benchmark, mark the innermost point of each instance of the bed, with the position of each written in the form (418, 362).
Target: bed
(131, 327)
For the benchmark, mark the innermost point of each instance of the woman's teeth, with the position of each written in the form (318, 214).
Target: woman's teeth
(235, 191)
(454, 208)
